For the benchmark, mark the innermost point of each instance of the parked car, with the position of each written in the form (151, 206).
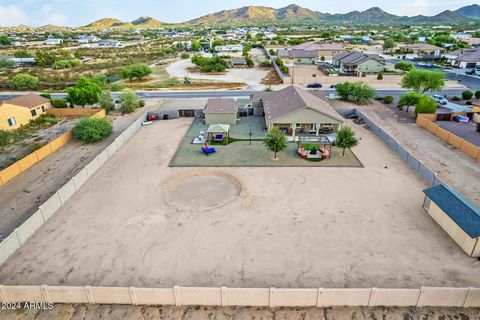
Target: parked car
(440, 100)
(314, 86)
(424, 65)
(473, 71)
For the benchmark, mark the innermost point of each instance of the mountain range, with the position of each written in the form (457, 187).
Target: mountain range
(294, 14)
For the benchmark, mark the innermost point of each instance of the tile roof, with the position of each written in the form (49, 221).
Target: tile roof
(356, 58)
(297, 53)
(28, 101)
(319, 47)
(465, 214)
(467, 55)
(278, 104)
(221, 106)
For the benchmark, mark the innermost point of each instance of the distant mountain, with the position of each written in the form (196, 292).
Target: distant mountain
(472, 11)
(258, 15)
(147, 22)
(105, 23)
(372, 15)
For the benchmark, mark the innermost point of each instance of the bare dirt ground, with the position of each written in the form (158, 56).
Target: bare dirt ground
(287, 227)
(20, 197)
(100, 312)
(452, 166)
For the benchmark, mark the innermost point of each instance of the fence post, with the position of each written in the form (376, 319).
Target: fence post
(46, 296)
(224, 301)
(176, 294)
(271, 302)
(18, 237)
(2, 294)
(320, 297)
(133, 296)
(421, 297)
(88, 291)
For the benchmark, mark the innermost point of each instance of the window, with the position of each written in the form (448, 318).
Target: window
(43, 108)
(33, 112)
(11, 122)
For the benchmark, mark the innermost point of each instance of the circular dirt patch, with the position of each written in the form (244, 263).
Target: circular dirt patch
(202, 190)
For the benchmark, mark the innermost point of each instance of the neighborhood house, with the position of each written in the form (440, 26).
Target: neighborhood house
(354, 63)
(221, 111)
(297, 112)
(464, 58)
(18, 111)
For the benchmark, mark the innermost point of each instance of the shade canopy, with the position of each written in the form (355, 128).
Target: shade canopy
(218, 128)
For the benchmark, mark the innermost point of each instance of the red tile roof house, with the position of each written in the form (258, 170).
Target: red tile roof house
(296, 111)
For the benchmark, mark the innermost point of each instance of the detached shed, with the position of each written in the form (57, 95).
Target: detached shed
(221, 111)
(457, 216)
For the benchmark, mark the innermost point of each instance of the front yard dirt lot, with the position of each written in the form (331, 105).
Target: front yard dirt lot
(138, 222)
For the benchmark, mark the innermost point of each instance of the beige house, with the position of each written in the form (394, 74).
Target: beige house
(325, 50)
(18, 111)
(221, 111)
(456, 216)
(297, 111)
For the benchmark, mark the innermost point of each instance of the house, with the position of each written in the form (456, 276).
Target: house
(18, 111)
(422, 49)
(325, 50)
(87, 39)
(109, 43)
(53, 41)
(456, 216)
(296, 111)
(358, 63)
(221, 111)
(290, 57)
(229, 48)
(464, 58)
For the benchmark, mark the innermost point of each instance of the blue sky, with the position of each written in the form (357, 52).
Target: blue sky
(81, 12)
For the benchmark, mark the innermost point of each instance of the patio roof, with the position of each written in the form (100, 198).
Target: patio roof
(215, 128)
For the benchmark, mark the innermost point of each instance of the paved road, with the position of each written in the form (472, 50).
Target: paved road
(230, 93)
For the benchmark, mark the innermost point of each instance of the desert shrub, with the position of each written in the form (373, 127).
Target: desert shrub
(92, 130)
(185, 55)
(358, 92)
(65, 64)
(467, 95)
(129, 102)
(117, 87)
(213, 64)
(106, 102)
(388, 99)
(404, 66)
(24, 81)
(380, 76)
(59, 103)
(46, 95)
(477, 94)
(266, 64)
(469, 103)
(5, 138)
(44, 120)
(426, 105)
(136, 71)
(456, 98)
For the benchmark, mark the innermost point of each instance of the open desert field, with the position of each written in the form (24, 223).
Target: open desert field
(138, 222)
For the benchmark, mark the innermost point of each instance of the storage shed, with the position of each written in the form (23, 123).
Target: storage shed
(221, 111)
(456, 215)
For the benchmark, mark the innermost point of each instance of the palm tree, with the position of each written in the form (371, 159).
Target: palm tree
(346, 138)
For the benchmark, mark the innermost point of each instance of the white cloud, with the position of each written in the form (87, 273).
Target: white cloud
(12, 16)
(51, 17)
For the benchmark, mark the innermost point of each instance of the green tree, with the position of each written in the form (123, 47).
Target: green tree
(129, 102)
(47, 95)
(5, 41)
(6, 63)
(59, 103)
(100, 79)
(358, 92)
(106, 102)
(24, 81)
(408, 100)
(477, 94)
(388, 44)
(467, 95)
(346, 139)
(425, 105)
(272, 52)
(275, 141)
(85, 92)
(213, 64)
(136, 71)
(423, 80)
(185, 55)
(196, 45)
(92, 129)
(404, 66)
(217, 42)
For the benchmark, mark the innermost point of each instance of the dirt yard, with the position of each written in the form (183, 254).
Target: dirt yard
(21, 196)
(452, 166)
(94, 312)
(136, 224)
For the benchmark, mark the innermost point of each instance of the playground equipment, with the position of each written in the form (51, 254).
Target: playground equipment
(207, 150)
